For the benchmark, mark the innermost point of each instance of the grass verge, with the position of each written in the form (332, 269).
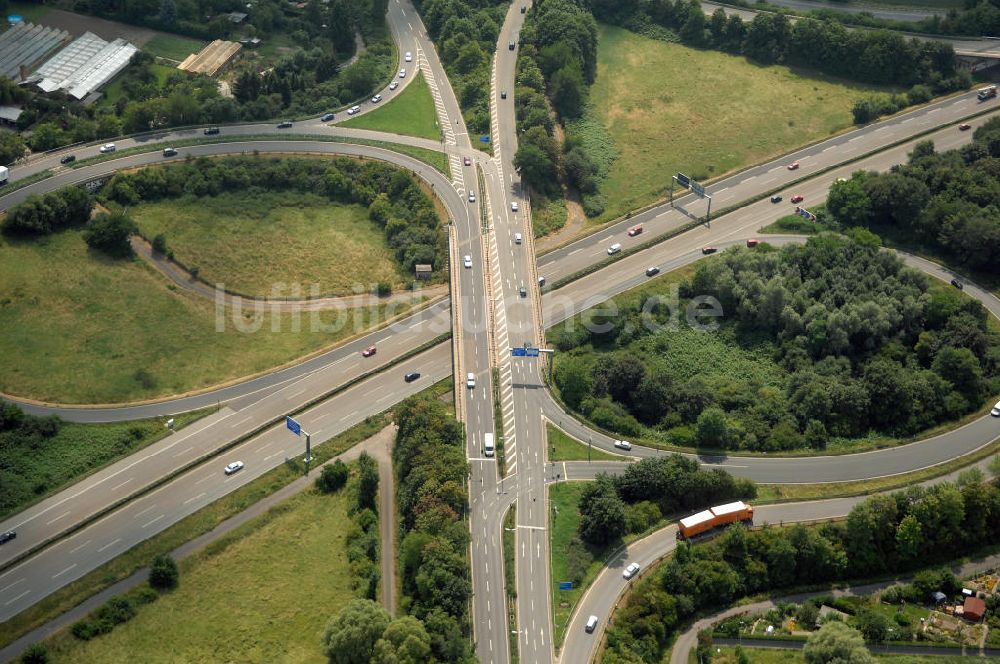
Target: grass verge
(410, 113)
(510, 582)
(197, 524)
(729, 655)
(32, 472)
(266, 243)
(563, 447)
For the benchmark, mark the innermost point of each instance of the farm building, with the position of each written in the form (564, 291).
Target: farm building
(25, 45)
(973, 609)
(211, 59)
(84, 66)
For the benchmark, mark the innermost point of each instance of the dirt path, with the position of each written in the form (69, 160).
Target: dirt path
(182, 278)
(575, 219)
(378, 446)
(382, 452)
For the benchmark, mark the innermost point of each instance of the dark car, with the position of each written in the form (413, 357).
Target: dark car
(957, 284)
(965, 126)
(211, 130)
(753, 242)
(524, 8)
(776, 198)
(709, 250)
(523, 291)
(503, 94)
(652, 271)
(169, 152)
(510, 46)
(67, 159)
(326, 117)
(285, 125)
(412, 376)
(7, 536)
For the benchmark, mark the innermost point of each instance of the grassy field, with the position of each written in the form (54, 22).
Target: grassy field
(411, 112)
(172, 47)
(79, 328)
(563, 447)
(264, 595)
(263, 243)
(113, 92)
(670, 108)
(727, 655)
(30, 472)
(548, 217)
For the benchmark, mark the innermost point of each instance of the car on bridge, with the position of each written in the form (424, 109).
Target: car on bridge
(234, 467)
(368, 352)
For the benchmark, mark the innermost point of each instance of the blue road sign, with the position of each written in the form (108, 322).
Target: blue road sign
(293, 426)
(565, 585)
(531, 352)
(484, 139)
(682, 180)
(518, 352)
(698, 189)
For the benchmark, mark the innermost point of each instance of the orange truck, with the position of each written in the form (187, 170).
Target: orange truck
(715, 517)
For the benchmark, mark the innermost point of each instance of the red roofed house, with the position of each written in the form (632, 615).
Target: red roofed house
(974, 609)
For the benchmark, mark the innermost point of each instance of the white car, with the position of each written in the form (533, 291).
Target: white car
(631, 571)
(470, 381)
(472, 196)
(623, 445)
(517, 238)
(467, 261)
(107, 147)
(402, 72)
(614, 249)
(513, 206)
(353, 110)
(996, 410)
(376, 99)
(234, 467)
(408, 57)
(393, 85)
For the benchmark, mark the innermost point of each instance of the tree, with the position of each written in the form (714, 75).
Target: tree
(602, 512)
(168, 12)
(352, 633)
(713, 428)
(573, 380)
(836, 643)
(909, 539)
(537, 169)
(12, 147)
(568, 91)
(872, 624)
(163, 573)
(405, 641)
(332, 477)
(109, 234)
(960, 367)
(367, 482)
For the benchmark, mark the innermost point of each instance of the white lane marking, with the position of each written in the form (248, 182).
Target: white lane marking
(54, 576)
(14, 599)
(109, 545)
(149, 523)
(77, 548)
(48, 523)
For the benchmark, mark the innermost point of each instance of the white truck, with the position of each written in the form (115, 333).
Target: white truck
(488, 448)
(4, 174)
(987, 93)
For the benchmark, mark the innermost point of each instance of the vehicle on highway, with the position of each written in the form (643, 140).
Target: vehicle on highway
(614, 249)
(472, 196)
(408, 57)
(965, 126)
(470, 381)
(541, 281)
(591, 625)
(995, 411)
(287, 124)
(797, 198)
(517, 238)
(503, 94)
(376, 99)
(234, 467)
(412, 376)
(7, 536)
(793, 166)
(635, 230)
(353, 109)
(513, 206)
(107, 147)
(753, 242)
(623, 444)
(524, 8)
(709, 250)
(467, 261)
(394, 85)
(467, 161)
(169, 152)
(631, 571)
(652, 271)
(211, 130)
(957, 284)
(67, 159)
(988, 92)
(402, 72)
(511, 45)
(715, 517)
(4, 174)
(488, 448)
(522, 291)
(368, 352)
(327, 117)
(776, 198)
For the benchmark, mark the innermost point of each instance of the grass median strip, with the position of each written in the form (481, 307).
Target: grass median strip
(563, 447)
(410, 113)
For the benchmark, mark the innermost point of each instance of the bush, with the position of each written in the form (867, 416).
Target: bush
(35, 654)
(84, 630)
(383, 289)
(109, 234)
(163, 573)
(332, 477)
(160, 243)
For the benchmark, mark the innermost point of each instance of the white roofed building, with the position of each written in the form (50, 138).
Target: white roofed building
(84, 66)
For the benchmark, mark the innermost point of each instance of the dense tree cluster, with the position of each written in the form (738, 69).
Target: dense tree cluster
(896, 532)
(110, 233)
(649, 490)
(861, 345)
(465, 32)
(41, 215)
(949, 201)
(362, 535)
(432, 499)
(21, 433)
(395, 201)
(364, 633)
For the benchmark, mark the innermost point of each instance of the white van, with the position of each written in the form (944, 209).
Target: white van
(614, 249)
(470, 380)
(488, 448)
(591, 625)
(517, 238)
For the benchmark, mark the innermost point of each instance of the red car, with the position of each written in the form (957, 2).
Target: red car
(635, 230)
(368, 352)
(798, 198)
(794, 165)
(965, 126)
(752, 242)
(709, 250)
(467, 161)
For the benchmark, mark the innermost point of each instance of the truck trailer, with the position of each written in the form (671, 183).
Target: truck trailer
(987, 93)
(715, 517)
(4, 174)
